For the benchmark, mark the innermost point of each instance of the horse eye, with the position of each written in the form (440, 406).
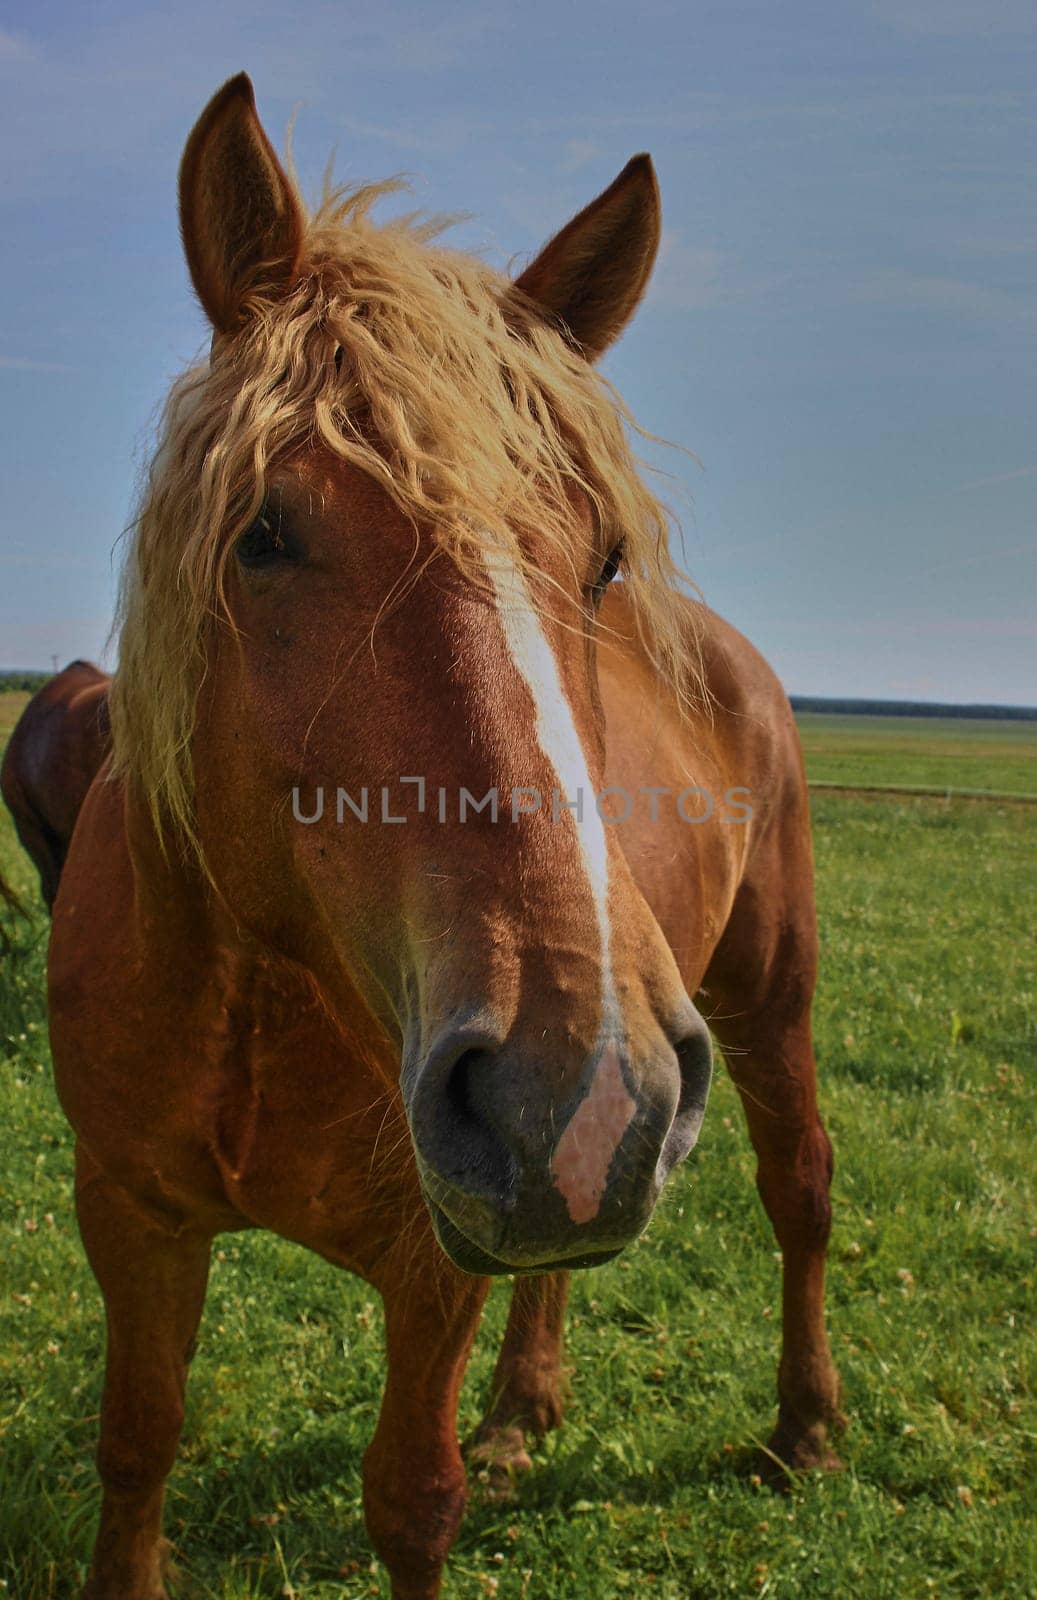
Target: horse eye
(265, 542)
(608, 571)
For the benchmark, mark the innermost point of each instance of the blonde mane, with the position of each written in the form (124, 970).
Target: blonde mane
(421, 366)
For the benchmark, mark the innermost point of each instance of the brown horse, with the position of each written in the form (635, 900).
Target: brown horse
(52, 758)
(355, 946)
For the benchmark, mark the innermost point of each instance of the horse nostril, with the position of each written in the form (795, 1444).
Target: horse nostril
(458, 1087)
(695, 1061)
(452, 1114)
(469, 1101)
(695, 1064)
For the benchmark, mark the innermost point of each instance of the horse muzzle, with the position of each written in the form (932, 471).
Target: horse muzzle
(520, 1179)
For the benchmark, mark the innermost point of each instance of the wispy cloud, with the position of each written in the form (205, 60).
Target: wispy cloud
(912, 627)
(439, 136)
(23, 364)
(998, 477)
(70, 99)
(691, 277)
(958, 18)
(913, 686)
(450, 43)
(899, 287)
(688, 277)
(701, 111)
(14, 47)
(577, 154)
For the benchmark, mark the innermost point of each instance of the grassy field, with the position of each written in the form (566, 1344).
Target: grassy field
(12, 704)
(922, 752)
(927, 1039)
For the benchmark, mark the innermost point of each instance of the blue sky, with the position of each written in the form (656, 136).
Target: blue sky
(842, 327)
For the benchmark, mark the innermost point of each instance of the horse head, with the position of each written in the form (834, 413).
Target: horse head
(368, 584)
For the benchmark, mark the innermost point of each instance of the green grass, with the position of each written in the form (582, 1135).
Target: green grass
(12, 703)
(924, 752)
(927, 1038)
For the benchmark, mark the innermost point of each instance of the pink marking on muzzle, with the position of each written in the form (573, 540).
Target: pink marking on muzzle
(583, 1155)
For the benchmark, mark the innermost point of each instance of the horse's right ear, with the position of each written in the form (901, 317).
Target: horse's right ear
(241, 222)
(589, 278)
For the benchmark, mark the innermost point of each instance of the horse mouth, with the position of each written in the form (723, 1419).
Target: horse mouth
(492, 1218)
(472, 1258)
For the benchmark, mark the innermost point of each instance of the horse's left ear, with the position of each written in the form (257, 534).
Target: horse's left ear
(240, 220)
(591, 276)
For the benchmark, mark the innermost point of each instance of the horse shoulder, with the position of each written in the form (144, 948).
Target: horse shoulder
(721, 767)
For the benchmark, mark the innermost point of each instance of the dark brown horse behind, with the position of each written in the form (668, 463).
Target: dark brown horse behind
(54, 754)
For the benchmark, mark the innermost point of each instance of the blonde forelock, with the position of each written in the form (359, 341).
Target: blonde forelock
(420, 366)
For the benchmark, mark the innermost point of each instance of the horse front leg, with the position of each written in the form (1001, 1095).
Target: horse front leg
(772, 1063)
(414, 1478)
(153, 1280)
(527, 1396)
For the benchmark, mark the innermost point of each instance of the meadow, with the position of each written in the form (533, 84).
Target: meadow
(926, 1028)
(942, 753)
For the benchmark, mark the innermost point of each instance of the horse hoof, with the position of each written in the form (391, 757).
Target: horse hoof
(798, 1449)
(497, 1457)
(96, 1590)
(149, 1586)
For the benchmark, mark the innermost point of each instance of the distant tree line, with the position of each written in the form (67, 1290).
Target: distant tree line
(910, 708)
(31, 681)
(23, 680)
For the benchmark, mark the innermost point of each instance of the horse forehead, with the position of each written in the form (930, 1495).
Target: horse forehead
(332, 489)
(339, 485)
(469, 613)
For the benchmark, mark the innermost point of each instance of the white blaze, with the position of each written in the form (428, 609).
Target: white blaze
(584, 1153)
(557, 735)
